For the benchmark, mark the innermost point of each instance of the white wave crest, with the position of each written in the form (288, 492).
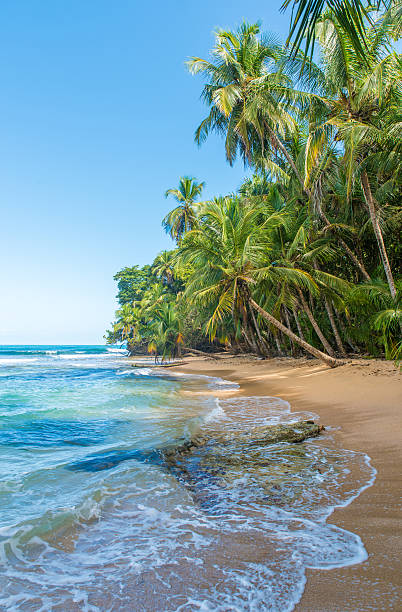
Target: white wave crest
(135, 372)
(16, 361)
(81, 355)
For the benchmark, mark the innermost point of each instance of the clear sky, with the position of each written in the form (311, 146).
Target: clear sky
(97, 115)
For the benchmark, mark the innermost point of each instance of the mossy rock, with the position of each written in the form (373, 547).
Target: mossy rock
(204, 463)
(257, 436)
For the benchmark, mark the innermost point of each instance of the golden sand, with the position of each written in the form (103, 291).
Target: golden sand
(363, 399)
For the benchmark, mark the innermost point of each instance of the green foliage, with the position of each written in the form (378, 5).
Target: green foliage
(351, 14)
(303, 257)
(182, 218)
(132, 282)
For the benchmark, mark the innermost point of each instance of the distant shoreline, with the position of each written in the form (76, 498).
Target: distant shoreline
(363, 401)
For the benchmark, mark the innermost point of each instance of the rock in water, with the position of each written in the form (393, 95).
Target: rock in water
(211, 464)
(272, 434)
(266, 434)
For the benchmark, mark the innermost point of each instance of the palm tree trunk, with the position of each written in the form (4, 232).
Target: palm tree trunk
(315, 325)
(249, 340)
(330, 314)
(292, 346)
(237, 346)
(299, 329)
(253, 341)
(345, 333)
(359, 264)
(279, 145)
(338, 339)
(278, 345)
(330, 361)
(368, 196)
(263, 347)
(290, 160)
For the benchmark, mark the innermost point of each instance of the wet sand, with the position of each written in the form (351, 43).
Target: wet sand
(363, 400)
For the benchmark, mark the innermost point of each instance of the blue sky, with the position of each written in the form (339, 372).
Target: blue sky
(97, 118)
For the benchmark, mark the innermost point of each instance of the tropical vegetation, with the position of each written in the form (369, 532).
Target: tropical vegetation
(303, 259)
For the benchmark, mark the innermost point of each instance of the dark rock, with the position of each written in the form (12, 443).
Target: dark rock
(215, 460)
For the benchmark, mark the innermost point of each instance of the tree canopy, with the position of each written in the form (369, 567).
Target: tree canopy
(303, 258)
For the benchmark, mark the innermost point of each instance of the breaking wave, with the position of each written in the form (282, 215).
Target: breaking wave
(107, 524)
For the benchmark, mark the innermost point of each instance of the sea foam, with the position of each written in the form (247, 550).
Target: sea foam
(134, 531)
(17, 361)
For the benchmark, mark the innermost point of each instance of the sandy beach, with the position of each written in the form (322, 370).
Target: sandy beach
(362, 400)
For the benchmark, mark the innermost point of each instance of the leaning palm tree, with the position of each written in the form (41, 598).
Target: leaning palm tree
(360, 109)
(253, 104)
(230, 256)
(182, 218)
(302, 246)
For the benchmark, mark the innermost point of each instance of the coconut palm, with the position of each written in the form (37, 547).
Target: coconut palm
(383, 312)
(362, 103)
(183, 217)
(250, 96)
(165, 335)
(253, 103)
(351, 15)
(230, 254)
(163, 267)
(127, 326)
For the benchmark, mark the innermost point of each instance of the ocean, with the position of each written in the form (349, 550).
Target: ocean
(89, 523)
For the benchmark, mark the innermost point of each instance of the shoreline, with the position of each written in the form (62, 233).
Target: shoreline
(362, 402)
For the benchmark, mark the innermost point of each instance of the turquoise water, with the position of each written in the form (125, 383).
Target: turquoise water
(90, 520)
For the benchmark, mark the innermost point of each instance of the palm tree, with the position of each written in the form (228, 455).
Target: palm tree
(249, 95)
(253, 103)
(163, 267)
(383, 312)
(154, 295)
(126, 328)
(361, 107)
(230, 256)
(182, 218)
(300, 245)
(165, 335)
(350, 14)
